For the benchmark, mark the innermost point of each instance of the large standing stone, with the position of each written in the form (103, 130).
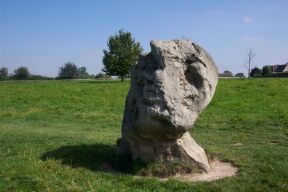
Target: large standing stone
(170, 86)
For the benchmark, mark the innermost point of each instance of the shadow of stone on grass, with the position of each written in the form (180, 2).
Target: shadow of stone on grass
(102, 157)
(90, 157)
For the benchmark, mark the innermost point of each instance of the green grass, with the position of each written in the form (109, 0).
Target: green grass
(55, 136)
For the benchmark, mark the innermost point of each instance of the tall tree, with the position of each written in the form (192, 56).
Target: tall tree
(68, 71)
(3, 73)
(22, 73)
(122, 52)
(250, 61)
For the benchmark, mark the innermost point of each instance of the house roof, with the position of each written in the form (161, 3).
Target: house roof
(280, 68)
(286, 68)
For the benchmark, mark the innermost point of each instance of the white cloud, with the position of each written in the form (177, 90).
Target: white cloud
(247, 19)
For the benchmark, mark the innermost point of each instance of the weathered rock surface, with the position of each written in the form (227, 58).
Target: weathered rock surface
(170, 86)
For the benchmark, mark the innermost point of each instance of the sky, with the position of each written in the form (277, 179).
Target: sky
(45, 34)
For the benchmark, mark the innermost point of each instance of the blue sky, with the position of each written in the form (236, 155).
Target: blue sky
(44, 34)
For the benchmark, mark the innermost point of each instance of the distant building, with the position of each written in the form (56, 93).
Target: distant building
(280, 68)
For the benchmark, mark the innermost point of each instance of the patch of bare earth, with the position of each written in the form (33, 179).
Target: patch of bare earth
(219, 170)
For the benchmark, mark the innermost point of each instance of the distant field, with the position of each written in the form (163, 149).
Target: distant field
(55, 135)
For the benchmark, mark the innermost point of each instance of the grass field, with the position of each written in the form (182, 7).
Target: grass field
(55, 135)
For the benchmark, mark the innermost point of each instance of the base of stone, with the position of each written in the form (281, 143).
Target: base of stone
(218, 170)
(184, 149)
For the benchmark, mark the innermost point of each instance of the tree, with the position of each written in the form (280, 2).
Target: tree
(68, 71)
(22, 73)
(3, 73)
(266, 71)
(241, 75)
(102, 76)
(82, 72)
(249, 62)
(122, 52)
(255, 72)
(228, 74)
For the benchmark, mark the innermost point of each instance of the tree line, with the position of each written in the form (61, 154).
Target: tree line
(68, 71)
(21, 73)
(121, 54)
(266, 71)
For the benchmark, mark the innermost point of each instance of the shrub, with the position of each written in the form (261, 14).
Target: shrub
(256, 72)
(102, 76)
(267, 71)
(241, 75)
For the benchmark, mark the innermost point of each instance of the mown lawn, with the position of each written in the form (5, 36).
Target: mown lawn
(55, 136)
